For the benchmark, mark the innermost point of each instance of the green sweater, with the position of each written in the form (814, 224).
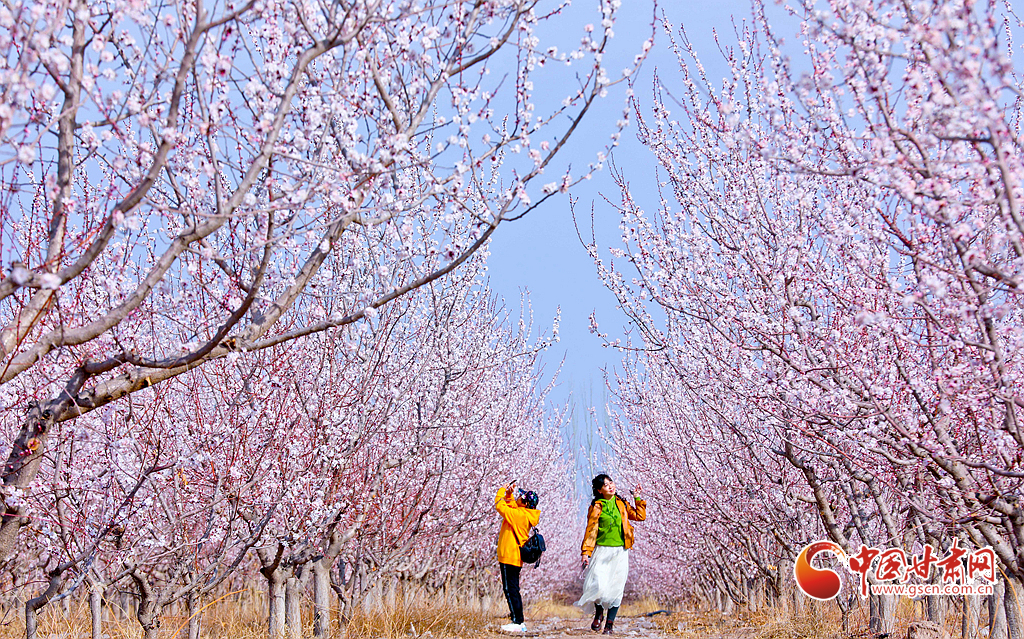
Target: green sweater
(609, 526)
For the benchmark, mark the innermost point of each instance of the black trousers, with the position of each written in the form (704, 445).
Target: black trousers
(510, 586)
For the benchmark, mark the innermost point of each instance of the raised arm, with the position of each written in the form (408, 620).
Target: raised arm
(639, 511)
(503, 501)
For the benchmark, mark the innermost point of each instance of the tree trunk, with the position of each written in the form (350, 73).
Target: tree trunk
(844, 611)
(321, 598)
(997, 612)
(887, 613)
(34, 605)
(971, 623)
(96, 608)
(193, 616)
(127, 606)
(784, 586)
(728, 606)
(149, 608)
(936, 609)
(1013, 599)
(293, 611)
(148, 616)
(31, 621)
(276, 608)
(344, 593)
(27, 454)
(874, 619)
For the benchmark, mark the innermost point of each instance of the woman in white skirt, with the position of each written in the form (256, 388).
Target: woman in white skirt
(605, 550)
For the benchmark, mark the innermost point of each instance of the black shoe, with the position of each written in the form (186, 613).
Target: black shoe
(596, 624)
(608, 630)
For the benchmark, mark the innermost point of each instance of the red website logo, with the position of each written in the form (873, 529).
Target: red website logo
(822, 584)
(877, 569)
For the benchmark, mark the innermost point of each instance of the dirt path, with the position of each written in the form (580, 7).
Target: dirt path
(556, 628)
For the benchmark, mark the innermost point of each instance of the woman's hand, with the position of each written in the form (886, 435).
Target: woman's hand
(584, 562)
(510, 488)
(636, 491)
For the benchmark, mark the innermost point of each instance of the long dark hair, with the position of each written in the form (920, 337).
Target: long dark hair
(597, 484)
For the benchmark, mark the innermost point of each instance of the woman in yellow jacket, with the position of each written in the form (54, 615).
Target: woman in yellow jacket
(517, 517)
(605, 549)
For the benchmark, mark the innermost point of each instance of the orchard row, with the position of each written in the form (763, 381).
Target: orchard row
(827, 304)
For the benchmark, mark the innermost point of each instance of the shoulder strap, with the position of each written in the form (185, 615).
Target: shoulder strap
(518, 543)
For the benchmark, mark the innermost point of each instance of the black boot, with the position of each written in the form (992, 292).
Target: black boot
(609, 625)
(598, 618)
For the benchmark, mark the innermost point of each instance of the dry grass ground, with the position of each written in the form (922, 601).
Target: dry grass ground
(553, 618)
(232, 621)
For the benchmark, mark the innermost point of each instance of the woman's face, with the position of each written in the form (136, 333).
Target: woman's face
(608, 490)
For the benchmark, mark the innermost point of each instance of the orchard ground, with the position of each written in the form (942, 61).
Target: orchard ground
(552, 618)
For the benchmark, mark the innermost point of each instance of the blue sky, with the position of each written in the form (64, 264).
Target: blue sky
(542, 254)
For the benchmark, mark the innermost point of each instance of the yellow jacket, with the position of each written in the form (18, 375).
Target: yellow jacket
(519, 518)
(628, 512)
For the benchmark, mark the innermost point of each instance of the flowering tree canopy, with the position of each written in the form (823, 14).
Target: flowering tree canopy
(185, 182)
(832, 280)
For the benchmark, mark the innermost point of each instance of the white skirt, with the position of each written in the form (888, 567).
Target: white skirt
(605, 578)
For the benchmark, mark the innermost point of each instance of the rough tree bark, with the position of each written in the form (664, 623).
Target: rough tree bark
(322, 597)
(293, 600)
(970, 627)
(96, 608)
(149, 608)
(1013, 602)
(997, 612)
(274, 573)
(193, 615)
(936, 605)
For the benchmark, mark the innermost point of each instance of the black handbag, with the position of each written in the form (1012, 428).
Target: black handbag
(534, 547)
